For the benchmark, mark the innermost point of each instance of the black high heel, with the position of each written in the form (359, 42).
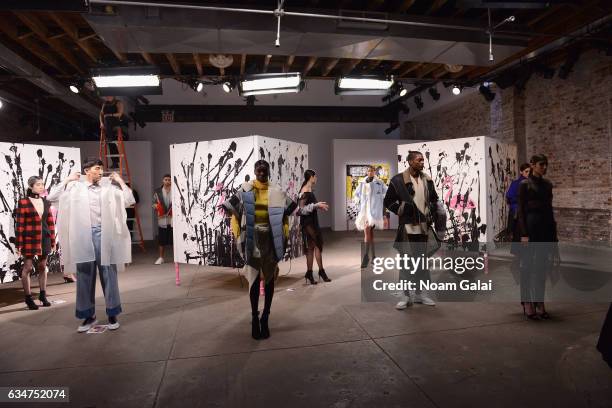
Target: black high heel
(265, 330)
(30, 302)
(544, 315)
(323, 275)
(255, 329)
(365, 261)
(42, 296)
(310, 278)
(532, 316)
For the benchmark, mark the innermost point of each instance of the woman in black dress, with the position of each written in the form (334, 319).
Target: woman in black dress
(311, 232)
(538, 231)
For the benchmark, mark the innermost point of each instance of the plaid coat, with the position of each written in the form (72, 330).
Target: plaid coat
(28, 227)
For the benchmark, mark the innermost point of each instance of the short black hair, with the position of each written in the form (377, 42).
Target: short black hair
(538, 158)
(262, 162)
(89, 163)
(524, 166)
(166, 175)
(413, 154)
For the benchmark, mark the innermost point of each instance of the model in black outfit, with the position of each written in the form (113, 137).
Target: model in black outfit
(311, 232)
(538, 231)
(111, 117)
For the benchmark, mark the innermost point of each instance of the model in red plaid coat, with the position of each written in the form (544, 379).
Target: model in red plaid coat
(34, 238)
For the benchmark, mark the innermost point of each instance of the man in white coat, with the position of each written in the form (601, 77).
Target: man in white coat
(94, 207)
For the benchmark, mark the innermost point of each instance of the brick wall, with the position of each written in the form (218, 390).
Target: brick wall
(568, 120)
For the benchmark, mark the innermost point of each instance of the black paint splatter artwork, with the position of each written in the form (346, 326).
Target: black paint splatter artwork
(52, 164)
(206, 174)
(458, 168)
(457, 179)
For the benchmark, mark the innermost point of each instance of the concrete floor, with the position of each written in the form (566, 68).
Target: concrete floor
(190, 346)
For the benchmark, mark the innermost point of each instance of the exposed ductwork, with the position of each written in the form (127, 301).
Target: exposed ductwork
(193, 29)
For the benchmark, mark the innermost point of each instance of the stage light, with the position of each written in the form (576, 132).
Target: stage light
(364, 85)
(127, 81)
(199, 87)
(402, 91)
(456, 90)
(486, 92)
(228, 86)
(250, 100)
(74, 89)
(123, 81)
(418, 101)
(391, 128)
(433, 92)
(262, 84)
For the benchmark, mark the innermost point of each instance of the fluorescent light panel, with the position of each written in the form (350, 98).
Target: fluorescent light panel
(278, 82)
(365, 83)
(120, 81)
(270, 91)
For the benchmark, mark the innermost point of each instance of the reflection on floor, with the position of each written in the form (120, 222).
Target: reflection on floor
(190, 345)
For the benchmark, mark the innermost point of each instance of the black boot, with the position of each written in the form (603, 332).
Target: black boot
(310, 278)
(255, 330)
(265, 330)
(365, 261)
(42, 296)
(323, 275)
(30, 302)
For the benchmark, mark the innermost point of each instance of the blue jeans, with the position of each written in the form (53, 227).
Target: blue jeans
(86, 283)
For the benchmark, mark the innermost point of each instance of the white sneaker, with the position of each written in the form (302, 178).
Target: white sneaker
(424, 299)
(113, 323)
(159, 261)
(86, 325)
(404, 303)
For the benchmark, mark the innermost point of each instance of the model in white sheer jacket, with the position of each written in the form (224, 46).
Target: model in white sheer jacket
(369, 199)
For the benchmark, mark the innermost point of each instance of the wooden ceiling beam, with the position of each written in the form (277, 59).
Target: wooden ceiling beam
(288, 63)
(396, 66)
(198, 63)
(311, 62)
(176, 68)
(72, 31)
(440, 72)
(330, 66)
(436, 5)
(243, 58)
(409, 69)
(34, 24)
(406, 4)
(427, 69)
(351, 66)
(10, 29)
(148, 58)
(267, 62)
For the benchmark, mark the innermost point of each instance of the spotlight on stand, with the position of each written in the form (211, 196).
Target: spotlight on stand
(391, 128)
(485, 91)
(264, 84)
(418, 101)
(228, 86)
(364, 85)
(456, 89)
(402, 91)
(196, 85)
(435, 95)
